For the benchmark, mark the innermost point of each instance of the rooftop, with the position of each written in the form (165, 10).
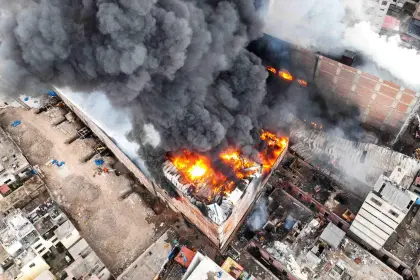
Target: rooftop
(112, 212)
(332, 235)
(331, 194)
(404, 243)
(319, 260)
(394, 195)
(358, 165)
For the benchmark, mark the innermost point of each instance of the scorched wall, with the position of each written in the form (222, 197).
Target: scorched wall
(382, 104)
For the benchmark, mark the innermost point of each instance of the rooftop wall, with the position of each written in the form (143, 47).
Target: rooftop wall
(383, 105)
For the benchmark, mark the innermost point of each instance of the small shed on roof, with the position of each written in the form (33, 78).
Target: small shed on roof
(333, 235)
(391, 23)
(4, 189)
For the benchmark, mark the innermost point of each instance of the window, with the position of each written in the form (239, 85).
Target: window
(338, 269)
(363, 157)
(409, 204)
(377, 202)
(382, 187)
(384, 3)
(393, 213)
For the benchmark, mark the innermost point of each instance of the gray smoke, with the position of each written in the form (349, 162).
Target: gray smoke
(259, 215)
(180, 66)
(331, 26)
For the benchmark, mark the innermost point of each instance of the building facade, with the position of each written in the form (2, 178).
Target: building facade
(383, 210)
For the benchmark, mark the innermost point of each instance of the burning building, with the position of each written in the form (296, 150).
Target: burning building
(198, 178)
(215, 195)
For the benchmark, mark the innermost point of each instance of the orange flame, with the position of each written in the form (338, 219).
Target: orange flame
(271, 69)
(240, 165)
(285, 75)
(197, 169)
(315, 125)
(302, 82)
(275, 146)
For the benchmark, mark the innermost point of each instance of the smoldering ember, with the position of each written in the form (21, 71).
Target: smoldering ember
(196, 139)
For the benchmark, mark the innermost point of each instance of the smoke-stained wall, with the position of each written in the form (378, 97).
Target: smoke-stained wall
(382, 104)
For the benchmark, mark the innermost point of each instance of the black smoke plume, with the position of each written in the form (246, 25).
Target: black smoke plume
(180, 65)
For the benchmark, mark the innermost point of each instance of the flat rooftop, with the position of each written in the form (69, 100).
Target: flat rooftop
(404, 243)
(300, 244)
(111, 212)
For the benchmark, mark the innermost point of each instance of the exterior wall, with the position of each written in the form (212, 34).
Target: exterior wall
(233, 223)
(304, 60)
(383, 105)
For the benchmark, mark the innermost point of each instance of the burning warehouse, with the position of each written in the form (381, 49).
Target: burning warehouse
(215, 195)
(224, 193)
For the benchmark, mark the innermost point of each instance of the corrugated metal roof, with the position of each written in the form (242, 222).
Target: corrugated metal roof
(332, 235)
(392, 194)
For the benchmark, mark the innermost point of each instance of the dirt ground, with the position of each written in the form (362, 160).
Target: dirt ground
(117, 223)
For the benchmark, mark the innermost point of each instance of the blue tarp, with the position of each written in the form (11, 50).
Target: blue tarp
(52, 93)
(15, 123)
(59, 164)
(99, 162)
(418, 201)
(26, 98)
(289, 223)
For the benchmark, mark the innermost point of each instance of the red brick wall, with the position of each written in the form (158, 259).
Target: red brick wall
(304, 60)
(382, 104)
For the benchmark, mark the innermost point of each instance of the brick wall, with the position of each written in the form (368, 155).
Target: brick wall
(383, 105)
(305, 61)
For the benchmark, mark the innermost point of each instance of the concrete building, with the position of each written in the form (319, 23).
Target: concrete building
(13, 164)
(321, 253)
(376, 11)
(39, 241)
(383, 105)
(202, 268)
(383, 210)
